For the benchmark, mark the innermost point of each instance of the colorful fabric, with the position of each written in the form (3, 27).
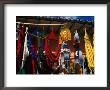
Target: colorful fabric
(33, 65)
(32, 48)
(65, 35)
(32, 51)
(66, 56)
(79, 57)
(43, 40)
(64, 45)
(52, 36)
(76, 36)
(22, 71)
(25, 51)
(52, 56)
(20, 47)
(89, 50)
(38, 40)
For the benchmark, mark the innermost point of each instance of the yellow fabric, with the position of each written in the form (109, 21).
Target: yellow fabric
(60, 40)
(89, 50)
(72, 55)
(65, 35)
(71, 66)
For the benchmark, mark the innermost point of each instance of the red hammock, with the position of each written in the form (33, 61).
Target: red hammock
(20, 47)
(52, 56)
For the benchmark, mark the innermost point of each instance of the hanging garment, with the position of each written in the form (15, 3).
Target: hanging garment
(65, 35)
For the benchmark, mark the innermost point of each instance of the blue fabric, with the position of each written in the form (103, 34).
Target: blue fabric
(16, 35)
(30, 48)
(64, 45)
(79, 57)
(66, 56)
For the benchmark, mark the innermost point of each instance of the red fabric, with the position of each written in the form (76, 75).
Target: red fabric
(33, 66)
(52, 56)
(52, 36)
(21, 36)
(20, 45)
(49, 62)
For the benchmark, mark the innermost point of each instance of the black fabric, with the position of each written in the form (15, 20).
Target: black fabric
(28, 65)
(86, 66)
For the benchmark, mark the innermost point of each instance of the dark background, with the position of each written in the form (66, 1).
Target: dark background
(2, 49)
(56, 1)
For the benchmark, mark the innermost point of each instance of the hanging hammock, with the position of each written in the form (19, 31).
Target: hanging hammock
(20, 47)
(89, 50)
(52, 56)
(65, 35)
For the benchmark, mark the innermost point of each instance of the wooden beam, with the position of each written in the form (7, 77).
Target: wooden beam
(39, 24)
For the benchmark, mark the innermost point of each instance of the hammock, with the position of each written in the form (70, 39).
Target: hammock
(52, 56)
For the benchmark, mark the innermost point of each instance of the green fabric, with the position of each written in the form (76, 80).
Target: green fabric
(43, 34)
(22, 71)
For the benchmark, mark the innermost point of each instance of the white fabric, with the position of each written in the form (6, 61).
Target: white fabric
(25, 51)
